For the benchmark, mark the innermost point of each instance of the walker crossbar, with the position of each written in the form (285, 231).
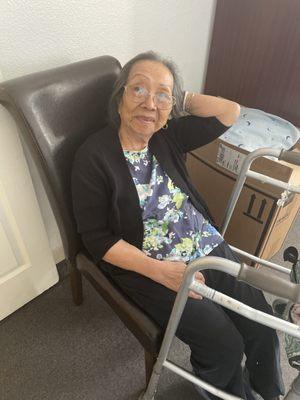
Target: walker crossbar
(277, 284)
(258, 260)
(197, 381)
(272, 181)
(246, 311)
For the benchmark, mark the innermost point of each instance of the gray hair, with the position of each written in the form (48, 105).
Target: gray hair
(118, 89)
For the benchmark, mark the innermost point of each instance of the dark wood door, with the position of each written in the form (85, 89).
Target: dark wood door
(255, 55)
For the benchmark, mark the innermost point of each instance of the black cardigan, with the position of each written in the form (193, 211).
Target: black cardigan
(105, 200)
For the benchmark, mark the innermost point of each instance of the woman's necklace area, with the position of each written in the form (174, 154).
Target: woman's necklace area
(132, 145)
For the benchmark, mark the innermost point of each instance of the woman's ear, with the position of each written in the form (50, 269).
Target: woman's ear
(120, 106)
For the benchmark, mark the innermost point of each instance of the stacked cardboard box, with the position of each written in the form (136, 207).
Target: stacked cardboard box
(258, 225)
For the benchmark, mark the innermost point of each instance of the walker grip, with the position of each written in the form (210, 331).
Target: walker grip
(266, 280)
(292, 157)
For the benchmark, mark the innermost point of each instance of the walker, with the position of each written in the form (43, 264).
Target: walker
(259, 278)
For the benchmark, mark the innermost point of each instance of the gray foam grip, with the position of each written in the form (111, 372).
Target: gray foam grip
(292, 157)
(266, 279)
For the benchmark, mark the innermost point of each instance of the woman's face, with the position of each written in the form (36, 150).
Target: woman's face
(142, 119)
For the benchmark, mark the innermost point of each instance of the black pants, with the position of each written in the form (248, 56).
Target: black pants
(217, 337)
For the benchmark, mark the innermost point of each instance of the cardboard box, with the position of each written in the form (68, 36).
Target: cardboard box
(258, 225)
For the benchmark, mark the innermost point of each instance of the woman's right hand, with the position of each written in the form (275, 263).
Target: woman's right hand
(168, 273)
(171, 275)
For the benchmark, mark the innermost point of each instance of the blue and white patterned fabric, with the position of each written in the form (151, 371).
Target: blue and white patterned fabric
(255, 129)
(173, 228)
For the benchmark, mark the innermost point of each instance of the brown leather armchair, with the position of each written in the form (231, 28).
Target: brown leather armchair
(55, 111)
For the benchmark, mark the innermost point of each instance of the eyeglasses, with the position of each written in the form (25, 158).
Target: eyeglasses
(139, 94)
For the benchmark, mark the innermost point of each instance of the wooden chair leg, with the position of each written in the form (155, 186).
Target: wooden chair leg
(76, 285)
(150, 360)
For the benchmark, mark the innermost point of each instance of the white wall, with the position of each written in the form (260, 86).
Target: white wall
(41, 34)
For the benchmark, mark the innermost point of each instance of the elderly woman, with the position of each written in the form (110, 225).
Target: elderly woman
(142, 220)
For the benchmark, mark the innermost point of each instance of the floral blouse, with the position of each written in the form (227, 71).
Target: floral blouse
(173, 228)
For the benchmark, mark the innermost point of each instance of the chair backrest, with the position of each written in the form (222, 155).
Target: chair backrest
(55, 111)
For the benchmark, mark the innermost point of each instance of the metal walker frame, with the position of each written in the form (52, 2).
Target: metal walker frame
(259, 278)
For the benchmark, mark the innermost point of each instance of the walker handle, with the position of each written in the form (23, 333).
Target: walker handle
(266, 280)
(292, 157)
